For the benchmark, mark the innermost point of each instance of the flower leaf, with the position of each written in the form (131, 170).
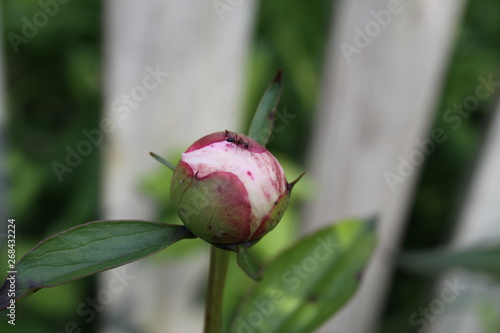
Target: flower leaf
(248, 264)
(309, 282)
(87, 249)
(263, 119)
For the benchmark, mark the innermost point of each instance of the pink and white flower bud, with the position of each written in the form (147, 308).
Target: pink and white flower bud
(228, 189)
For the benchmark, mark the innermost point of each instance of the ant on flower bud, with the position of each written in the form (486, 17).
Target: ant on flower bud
(236, 140)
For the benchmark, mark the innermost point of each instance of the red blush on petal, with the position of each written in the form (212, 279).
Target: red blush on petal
(207, 140)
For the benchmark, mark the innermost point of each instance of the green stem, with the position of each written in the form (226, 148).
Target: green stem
(219, 260)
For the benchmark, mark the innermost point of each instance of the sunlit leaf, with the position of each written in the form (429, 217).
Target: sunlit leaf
(309, 282)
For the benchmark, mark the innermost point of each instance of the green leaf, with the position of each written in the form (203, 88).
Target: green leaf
(248, 264)
(309, 282)
(263, 119)
(87, 249)
(162, 161)
(484, 259)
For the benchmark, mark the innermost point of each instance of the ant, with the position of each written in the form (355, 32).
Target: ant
(236, 140)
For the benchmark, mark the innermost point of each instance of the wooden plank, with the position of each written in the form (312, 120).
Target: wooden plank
(203, 51)
(385, 68)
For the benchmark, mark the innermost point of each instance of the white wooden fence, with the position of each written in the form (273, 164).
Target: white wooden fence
(175, 70)
(204, 57)
(379, 92)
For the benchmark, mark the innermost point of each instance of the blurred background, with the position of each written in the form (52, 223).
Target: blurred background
(390, 106)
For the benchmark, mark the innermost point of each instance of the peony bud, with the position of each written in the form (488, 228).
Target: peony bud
(228, 189)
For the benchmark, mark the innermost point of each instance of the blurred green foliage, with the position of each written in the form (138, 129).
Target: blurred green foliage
(53, 92)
